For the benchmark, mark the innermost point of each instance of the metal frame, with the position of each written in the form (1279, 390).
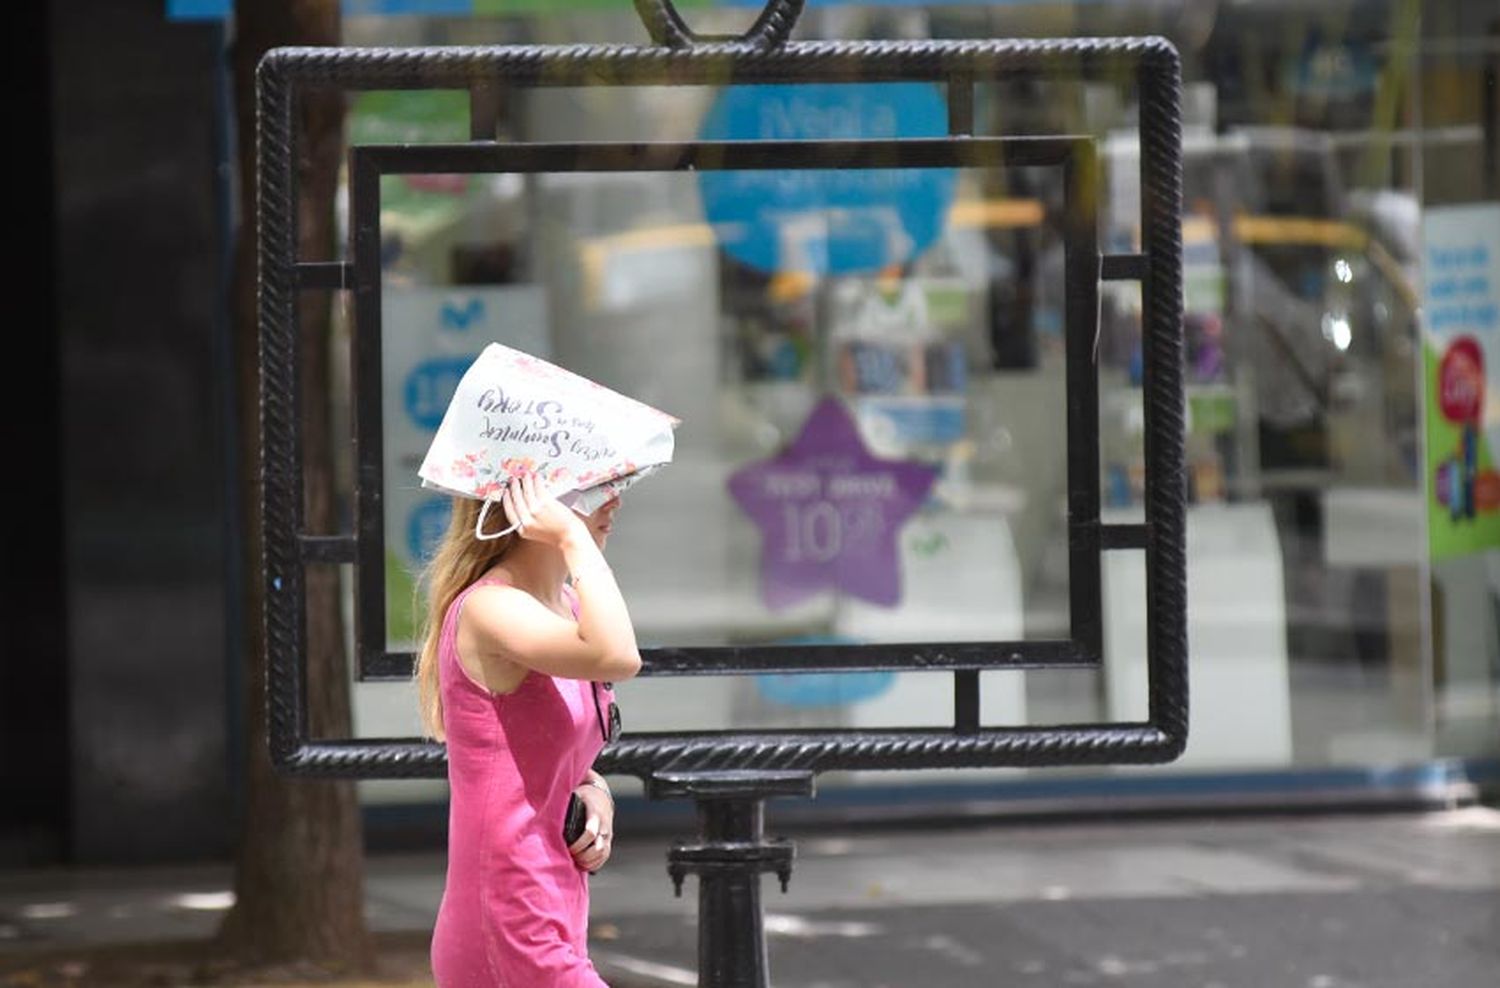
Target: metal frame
(958, 64)
(1074, 155)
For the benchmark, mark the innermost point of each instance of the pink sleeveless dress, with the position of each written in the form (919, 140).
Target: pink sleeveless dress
(515, 906)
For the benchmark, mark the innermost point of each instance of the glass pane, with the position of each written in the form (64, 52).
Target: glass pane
(1319, 141)
(852, 462)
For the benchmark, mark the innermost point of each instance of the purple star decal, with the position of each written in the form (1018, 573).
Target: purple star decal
(829, 512)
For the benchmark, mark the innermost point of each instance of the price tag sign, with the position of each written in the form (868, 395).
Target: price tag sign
(830, 512)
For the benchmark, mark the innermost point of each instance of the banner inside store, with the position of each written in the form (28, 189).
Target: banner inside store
(1461, 372)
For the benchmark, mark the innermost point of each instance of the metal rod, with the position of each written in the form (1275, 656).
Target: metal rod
(961, 103)
(1081, 345)
(965, 681)
(543, 66)
(966, 701)
(822, 751)
(1160, 91)
(484, 112)
(719, 661)
(365, 385)
(890, 153)
(281, 493)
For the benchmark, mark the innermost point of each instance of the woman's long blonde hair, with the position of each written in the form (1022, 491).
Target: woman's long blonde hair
(460, 559)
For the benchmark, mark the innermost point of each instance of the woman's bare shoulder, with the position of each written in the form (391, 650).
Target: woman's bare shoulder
(491, 605)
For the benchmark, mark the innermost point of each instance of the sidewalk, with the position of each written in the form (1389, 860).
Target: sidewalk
(1394, 901)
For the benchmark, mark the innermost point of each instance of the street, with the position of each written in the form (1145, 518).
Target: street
(1329, 901)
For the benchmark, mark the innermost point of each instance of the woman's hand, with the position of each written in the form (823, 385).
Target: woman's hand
(538, 515)
(592, 849)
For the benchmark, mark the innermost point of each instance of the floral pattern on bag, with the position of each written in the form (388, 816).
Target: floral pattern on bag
(513, 413)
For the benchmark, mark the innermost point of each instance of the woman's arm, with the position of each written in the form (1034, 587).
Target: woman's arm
(602, 617)
(508, 624)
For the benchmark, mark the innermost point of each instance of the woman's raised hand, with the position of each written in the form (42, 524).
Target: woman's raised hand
(537, 514)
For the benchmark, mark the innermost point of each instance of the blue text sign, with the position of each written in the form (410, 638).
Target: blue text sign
(827, 221)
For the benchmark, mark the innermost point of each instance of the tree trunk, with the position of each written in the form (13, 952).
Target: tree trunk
(299, 874)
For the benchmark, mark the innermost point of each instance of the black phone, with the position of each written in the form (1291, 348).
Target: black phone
(575, 819)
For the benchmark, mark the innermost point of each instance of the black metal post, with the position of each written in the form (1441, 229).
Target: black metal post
(729, 858)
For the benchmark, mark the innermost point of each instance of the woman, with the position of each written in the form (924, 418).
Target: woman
(510, 676)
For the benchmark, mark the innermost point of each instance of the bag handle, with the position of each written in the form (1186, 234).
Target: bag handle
(479, 525)
(484, 509)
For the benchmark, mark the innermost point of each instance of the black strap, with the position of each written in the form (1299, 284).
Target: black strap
(610, 731)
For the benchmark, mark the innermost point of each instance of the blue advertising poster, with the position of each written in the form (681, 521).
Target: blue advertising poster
(829, 221)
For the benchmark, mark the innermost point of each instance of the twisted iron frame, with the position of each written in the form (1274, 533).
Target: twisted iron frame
(284, 73)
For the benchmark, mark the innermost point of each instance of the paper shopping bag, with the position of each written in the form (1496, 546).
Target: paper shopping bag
(513, 412)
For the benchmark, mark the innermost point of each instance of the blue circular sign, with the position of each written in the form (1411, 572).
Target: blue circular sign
(425, 526)
(823, 689)
(429, 388)
(827, 221)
